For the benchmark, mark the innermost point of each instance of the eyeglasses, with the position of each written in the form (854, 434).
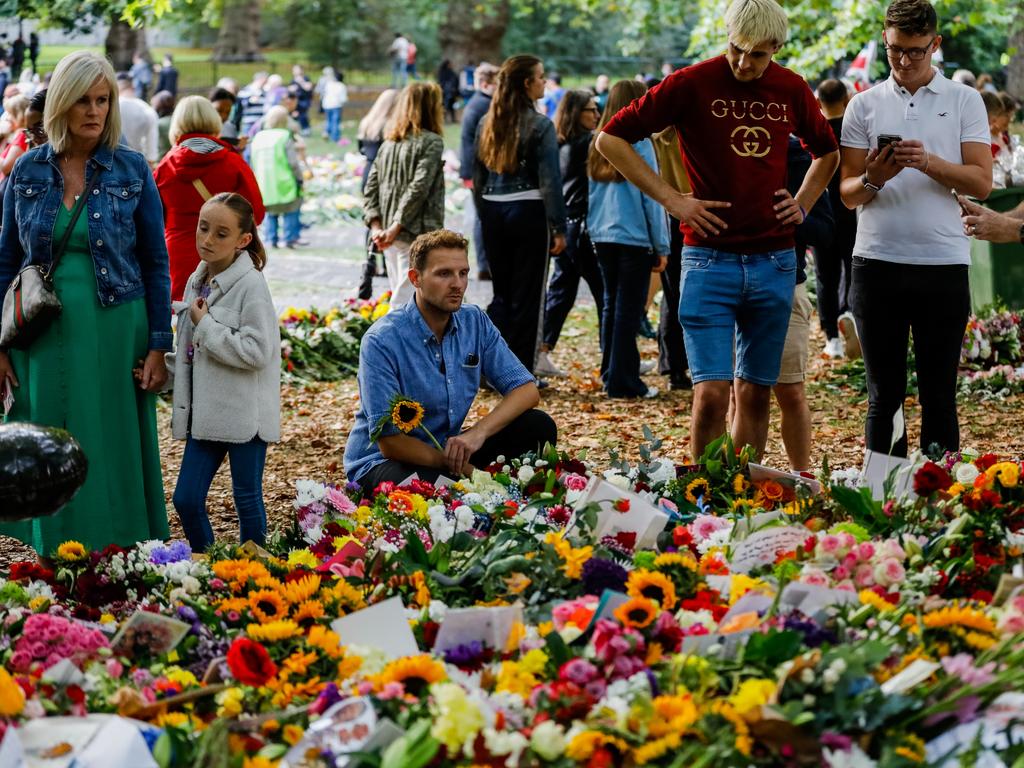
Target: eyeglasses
(914, 54)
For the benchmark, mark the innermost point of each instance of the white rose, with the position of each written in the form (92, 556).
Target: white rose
(965, 474)
(548, 740)
(526, 472)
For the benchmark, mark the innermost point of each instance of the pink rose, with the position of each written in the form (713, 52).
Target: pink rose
(703, 526)
(846, 586)
(574, 482)
(814, 576)
(889, 572)
(841, 572)
(865, 551)
(864, 576)
(847, 540)
(829, 544)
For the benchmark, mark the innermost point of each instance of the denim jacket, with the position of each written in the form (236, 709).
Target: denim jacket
(126, 229)
(538, 169)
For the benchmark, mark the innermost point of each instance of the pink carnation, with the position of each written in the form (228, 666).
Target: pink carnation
(574, 482)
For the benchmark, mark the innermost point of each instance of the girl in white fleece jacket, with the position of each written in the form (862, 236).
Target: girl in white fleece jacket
(227, 371)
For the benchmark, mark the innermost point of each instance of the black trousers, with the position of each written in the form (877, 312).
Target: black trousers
(576, 261)
(891, 301)
(833, 266)
(516, 241)
(672, 359)
(528, 432)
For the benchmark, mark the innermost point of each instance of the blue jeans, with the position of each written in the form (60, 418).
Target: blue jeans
(292, 227)
(742, 297)
(626, 271)
(482, 264)
(200, 463)
(576, 261)
(333, 123)
(399, 73)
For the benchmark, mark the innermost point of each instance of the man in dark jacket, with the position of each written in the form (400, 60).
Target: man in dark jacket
(168, 79)
(485, 81)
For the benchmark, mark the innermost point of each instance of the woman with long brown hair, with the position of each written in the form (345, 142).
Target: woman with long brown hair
(630, 234)
(405, 190)
(576, 118)
(519, 196)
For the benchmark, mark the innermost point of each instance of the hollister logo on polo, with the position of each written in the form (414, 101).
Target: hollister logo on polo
(750, 140)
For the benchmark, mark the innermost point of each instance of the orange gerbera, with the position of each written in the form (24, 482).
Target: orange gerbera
(638, 612)
(266, 605)
(654, 586)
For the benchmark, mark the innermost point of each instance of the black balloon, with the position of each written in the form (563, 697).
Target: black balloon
(41, 469)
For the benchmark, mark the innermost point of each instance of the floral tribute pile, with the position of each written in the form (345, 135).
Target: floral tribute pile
(992, 359)
(768, 627)
(324, 346)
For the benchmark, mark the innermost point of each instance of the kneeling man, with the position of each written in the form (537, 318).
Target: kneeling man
(435, 351)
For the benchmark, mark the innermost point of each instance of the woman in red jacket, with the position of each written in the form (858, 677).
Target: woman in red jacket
(198, 167)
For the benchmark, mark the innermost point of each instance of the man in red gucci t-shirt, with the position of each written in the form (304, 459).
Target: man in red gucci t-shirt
(734, 114)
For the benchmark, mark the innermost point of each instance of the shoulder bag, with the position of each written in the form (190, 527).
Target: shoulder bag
(31, 303)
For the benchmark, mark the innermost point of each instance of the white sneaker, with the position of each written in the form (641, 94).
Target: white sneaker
(650, 394)
(834, 348)
(848, 327)
(646, 366)
(545, 367)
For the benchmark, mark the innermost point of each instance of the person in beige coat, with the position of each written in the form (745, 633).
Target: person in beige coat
(227, 371)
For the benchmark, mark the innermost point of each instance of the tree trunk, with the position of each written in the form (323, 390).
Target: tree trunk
(472, 32)
(239, 38)
(122, 41)
(1015, 71)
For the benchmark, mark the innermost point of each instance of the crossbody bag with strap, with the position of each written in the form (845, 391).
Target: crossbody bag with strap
(31, 303)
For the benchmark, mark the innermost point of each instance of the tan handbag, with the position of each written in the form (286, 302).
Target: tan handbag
(31, 303)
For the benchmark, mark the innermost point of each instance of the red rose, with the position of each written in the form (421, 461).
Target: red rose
(986, 461)
(250, 663)
(681, 536)
(621, 505)
(931, 478)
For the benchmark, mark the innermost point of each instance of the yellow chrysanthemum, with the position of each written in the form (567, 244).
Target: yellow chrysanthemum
(415, 673)
(182, 677)
(752, 694)
(71, 551)
(740, 584)
(654, 586)
(876, 601)
(638, 612)
(1006, 472)
(302, 589)
(229, 702)
(266, 606)
(513, 678)
(38, 603)
(959, 616)
(273, 631)
(406, 415)
(698, 488)
(585, 744)
(302, 558)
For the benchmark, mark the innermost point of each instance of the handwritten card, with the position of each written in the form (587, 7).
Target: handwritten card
(382, 626)
(763, 547)
(790, 480)
(877, 469)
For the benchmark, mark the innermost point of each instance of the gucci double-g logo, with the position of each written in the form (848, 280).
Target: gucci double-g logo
(751, 141)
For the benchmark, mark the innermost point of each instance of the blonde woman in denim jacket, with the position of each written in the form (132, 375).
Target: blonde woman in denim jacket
(114, 284)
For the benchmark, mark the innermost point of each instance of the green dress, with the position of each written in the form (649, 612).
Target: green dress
(78, 376)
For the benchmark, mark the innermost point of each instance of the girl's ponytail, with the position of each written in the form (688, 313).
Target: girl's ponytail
(247, 223)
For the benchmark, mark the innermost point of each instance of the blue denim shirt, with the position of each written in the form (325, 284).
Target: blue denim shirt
(400, 354)
(538, 169)
(622, 214)
(126, 229)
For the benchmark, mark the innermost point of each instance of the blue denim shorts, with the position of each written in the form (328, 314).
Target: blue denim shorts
(740, 300)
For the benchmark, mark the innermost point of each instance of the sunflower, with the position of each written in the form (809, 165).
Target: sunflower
(71, 551)
(697, 488)
(876, 601)
(585, 744)
(406, 415)
(326, 640)
(415, 673)
(654, 586)
(308, 612)
(652, 750)
(267, 606)
(302, 589)
(740, 484)
(668, 560)
(637, 612)
(959, 616)
(272, 631)
(239, 572)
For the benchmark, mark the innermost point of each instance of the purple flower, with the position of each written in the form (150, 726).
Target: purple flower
(187, 613)
(599, 575)
(466, 656)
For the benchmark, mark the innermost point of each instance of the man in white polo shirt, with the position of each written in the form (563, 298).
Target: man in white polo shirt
(911, 256)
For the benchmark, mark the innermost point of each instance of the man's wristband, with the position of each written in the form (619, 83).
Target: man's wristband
(868, 185)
